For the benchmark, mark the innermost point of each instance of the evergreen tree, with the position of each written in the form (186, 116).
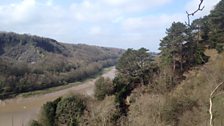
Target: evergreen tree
(137, 65)
(172, 47)
(196, 42)
(216, 19)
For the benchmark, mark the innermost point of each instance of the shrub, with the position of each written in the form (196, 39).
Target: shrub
(103, 87)
(70, 109)
(48, 114)
(104, 113)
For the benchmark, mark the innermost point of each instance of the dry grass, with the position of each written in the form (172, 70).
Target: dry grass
(187, 104)
(145, 111)
(102, 113)
(198, 86)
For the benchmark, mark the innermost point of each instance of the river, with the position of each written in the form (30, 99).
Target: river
(19, 111)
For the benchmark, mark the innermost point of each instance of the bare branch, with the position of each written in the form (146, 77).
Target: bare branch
(216, 88)
(211, 102)
(200, 8)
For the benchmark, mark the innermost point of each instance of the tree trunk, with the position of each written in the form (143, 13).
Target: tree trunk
(210, 111)
(211, 103)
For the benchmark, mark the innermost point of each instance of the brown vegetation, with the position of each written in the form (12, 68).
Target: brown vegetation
(30, 63)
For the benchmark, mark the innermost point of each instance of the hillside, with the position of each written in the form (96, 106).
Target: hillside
(187, 104)
(182, 86)
(30, 62)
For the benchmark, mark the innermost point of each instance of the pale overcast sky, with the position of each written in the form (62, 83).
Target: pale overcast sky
(111, 23)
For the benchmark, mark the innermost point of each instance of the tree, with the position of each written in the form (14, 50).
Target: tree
(137, 65)
(103, 87)
(172, 46)
(217, 26)
(196, 42)
(181, 49)
(172, 54)
(135, 68)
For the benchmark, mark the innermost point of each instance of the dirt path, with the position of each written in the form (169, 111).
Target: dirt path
(18, 111)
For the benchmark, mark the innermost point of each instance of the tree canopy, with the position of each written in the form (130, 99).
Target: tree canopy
(136, 65)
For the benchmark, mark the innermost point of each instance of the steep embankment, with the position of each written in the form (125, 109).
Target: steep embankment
(188, 103)
(21, 110)
(197, 88)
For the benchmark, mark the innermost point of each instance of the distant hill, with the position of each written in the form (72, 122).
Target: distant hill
(30, 62)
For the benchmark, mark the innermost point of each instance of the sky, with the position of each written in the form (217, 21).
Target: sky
(110, 23)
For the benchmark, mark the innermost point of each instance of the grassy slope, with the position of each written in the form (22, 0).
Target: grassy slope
(188, 103)
(198, 86)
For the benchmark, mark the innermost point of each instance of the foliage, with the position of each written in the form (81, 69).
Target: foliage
(62, 111)
(174, 90)
(172, 53)
(216, 23)
(103, 87)
(181, 49)
(172, 46)
(104, 113)
(136, 65)
(69, 110)
(30, 63)
(48, 113)
(136, 68)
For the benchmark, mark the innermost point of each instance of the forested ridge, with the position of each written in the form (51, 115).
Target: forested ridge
(183, 86)
(30, 62)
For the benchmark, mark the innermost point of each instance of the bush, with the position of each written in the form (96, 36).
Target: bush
(62, 111)
(70, 109)
(48, 114)
(103, 87)
(104, 113)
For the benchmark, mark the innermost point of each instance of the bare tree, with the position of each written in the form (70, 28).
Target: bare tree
(200, 8)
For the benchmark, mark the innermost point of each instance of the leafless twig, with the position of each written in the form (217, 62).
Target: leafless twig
(200, 8)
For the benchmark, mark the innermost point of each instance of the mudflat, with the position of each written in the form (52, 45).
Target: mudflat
(20, 110)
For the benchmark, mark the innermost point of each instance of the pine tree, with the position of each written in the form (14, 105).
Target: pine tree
(137, 65)
(172, 47)
(216, 19)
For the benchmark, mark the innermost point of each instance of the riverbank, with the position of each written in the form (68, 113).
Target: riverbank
(20, 110)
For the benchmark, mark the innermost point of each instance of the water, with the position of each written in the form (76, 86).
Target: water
(19, 111)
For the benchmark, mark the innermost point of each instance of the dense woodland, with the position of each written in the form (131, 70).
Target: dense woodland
(30, 63)
(170, 89)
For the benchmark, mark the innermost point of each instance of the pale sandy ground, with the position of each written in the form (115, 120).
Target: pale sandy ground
(19, 111)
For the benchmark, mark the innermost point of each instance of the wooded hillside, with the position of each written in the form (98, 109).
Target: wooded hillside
(31, 63)
(183, 86)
